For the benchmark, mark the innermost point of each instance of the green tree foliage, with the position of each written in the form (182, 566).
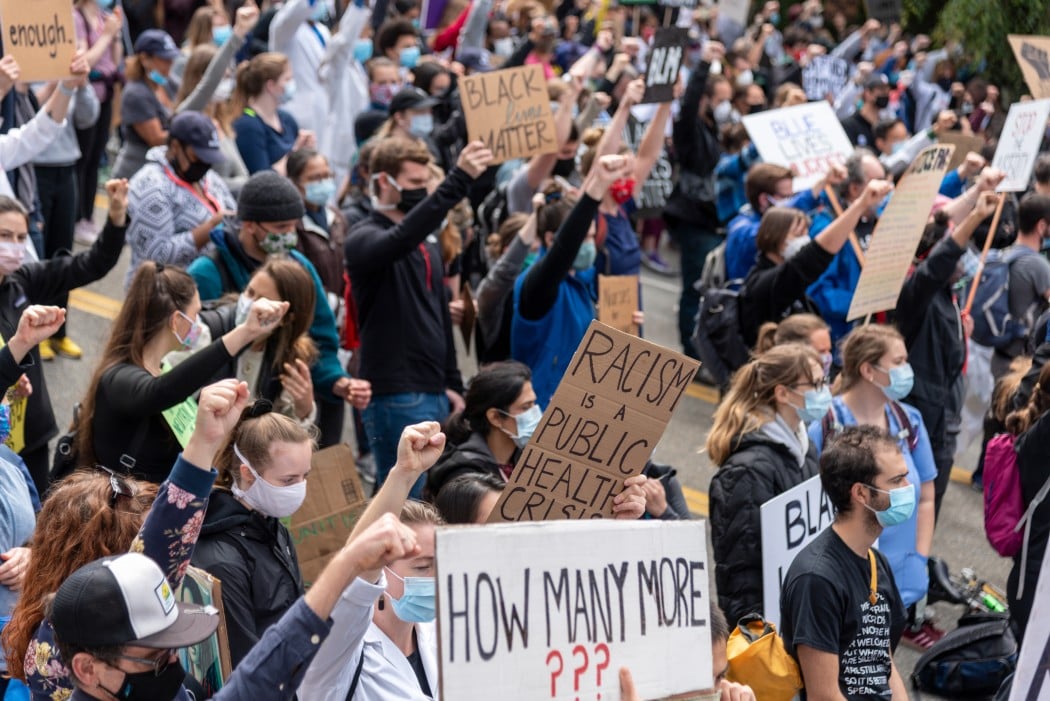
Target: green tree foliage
(981, 27)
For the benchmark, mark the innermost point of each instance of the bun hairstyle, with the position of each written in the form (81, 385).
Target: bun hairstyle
(253, 75)
(591, 137)
(797, 328)
(933, 233)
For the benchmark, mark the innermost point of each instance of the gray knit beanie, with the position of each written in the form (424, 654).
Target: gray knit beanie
(268, 197)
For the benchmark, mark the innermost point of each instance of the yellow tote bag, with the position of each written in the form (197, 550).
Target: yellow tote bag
(758, 658)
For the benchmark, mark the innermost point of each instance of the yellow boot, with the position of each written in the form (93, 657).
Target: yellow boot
(65, 347)
(46, 353)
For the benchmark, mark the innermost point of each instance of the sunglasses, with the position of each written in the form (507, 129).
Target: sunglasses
(120, 486)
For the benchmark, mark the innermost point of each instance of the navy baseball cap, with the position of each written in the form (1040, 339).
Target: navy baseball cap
(474, 59)
(196, 130)
(157, 42)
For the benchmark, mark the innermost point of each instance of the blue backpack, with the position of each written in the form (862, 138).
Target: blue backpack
(993, 325)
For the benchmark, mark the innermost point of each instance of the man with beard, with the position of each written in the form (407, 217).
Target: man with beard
(840, 612)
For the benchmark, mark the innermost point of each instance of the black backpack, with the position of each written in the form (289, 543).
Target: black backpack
(716, 332)
(971, 661)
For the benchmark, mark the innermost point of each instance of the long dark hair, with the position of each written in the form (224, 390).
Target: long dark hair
(291, 341)
(156, 292)
(496, 386)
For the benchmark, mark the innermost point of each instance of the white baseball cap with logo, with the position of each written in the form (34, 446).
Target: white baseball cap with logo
(126, 600)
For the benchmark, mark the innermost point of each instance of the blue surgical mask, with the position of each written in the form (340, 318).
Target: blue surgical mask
(362, 50)
(289, 92)
(420, 125)
(902, 505)
(774, 18)
(409, 57)
(526, 421)
(318, 193)
(416, 604)
(158, 77)
(106, 4)
(902, 378)
(816, 403)
(219, 35)
(319, 11)
(193, 335)
(586, 255)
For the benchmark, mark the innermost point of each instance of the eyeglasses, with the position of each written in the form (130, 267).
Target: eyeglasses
(120, 486)
(159, 664)
(818, 385)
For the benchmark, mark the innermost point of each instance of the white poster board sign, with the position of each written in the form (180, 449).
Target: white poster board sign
(553, 610)
(892, 249)
(789, 522)
(1019, 143)
(736, 10)
(825, 75)
(805, 138)
(1032, 678)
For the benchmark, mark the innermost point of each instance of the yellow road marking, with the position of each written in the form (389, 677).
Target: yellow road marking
(94, 303)
(101, 201)
(108, 308)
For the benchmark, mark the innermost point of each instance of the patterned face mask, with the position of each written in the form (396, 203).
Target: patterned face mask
(276, 244)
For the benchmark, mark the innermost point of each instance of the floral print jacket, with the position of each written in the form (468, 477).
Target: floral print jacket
(168, 535)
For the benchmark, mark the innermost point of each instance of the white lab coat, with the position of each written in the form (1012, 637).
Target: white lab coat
(386, 674)
(345, 83)
(292, 35)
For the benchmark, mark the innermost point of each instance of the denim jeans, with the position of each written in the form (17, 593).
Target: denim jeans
(695, 242)
(385, 418)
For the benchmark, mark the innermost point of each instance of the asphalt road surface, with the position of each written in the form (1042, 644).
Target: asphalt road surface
(959, 537)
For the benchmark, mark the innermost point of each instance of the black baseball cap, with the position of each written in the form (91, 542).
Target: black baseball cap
(196, 130)
(411, 98)
(126, 600)
(157, 42)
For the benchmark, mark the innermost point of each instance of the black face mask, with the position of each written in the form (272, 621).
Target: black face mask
(148, 686)
(410, 198)
(755, 109)
(193, 173)
(565, 167)
(882, 102)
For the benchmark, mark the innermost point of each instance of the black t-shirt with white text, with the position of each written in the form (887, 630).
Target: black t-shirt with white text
(825, 604)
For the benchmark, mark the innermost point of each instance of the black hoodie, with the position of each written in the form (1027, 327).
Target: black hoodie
(254, 558)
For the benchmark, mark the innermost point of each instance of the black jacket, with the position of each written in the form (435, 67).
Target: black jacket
(697, 151)
(41, 282)
(254, 558)
(470, 456)
(773, 291)
(398, 283)
(758, 470)
(928, 318)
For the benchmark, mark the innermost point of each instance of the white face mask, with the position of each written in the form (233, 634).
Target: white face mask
(266, 498)
(244, 308)
(792, 247)
(503, 47)
(12, 254)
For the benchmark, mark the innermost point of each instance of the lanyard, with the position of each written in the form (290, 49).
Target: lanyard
(426, 261)
(320, 37)
(210, 203)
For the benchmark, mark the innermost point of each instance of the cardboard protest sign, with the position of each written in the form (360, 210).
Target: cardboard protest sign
(805, 138)
(601, 426)
(554, 610)
(1019, 143)
(963, 145)
(39, 34)
(824, 75)
(209, 661)
(510, 111)
(885, 11)
(660, 183)
(334, 500)
(1032, 678)
(897, 233)
(665, 60)
(617, 301)
(470, 315)
(1033, 56)
(789, 522)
